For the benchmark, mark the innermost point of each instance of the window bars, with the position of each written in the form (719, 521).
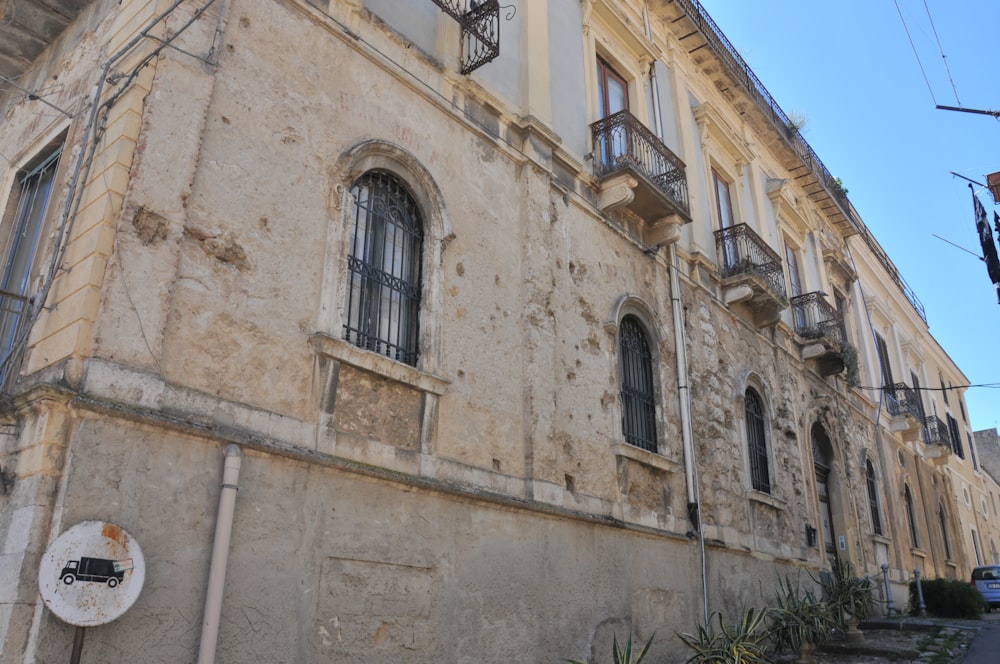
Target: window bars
(873, 498)
(757, 442)
(32, 196)
(638, 395)
(384, 269)
(480, 23)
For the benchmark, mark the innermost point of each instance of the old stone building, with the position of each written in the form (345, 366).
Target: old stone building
(531, 325)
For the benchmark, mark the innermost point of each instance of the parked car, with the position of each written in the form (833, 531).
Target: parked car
(986, 579)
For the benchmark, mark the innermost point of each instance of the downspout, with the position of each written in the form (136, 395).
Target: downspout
(220, 555)
(687, 435)
(680, 351)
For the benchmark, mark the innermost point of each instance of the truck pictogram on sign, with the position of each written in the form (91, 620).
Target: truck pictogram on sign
(100, 570)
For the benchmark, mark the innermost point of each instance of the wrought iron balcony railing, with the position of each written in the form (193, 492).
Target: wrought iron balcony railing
(901, 399)
(815, 318)
(480, 24)
(745, 77)
(742, 251)
(621, 141)
(936, 432)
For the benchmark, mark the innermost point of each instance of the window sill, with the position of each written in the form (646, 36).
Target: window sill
(882, 539)
(348, 353)
(919, 553)
(768, 499)
(645, 457)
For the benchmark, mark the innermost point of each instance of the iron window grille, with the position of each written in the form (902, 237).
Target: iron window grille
(757, 442)
(935, 431)
(873, 498)
(479, 21)
(32, 195)
(911, 517)
(638, 395)
(943, 518)
(384, 268)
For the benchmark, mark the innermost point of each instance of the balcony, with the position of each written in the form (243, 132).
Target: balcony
(937, 438)
(636, 171)
(751, 274)
(819, 326)
(480, 25)
(903, 403)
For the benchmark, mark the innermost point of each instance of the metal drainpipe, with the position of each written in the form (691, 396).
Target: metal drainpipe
(220, 555)
(680, 348)
(687, 434)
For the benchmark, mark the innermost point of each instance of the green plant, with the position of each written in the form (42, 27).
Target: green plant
(838, 185)
(947, 598)
(623, 655)
(800, 618)
(743, 643)
(848, 594)
(849, 354)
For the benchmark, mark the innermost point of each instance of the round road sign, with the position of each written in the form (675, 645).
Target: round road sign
(91, 574)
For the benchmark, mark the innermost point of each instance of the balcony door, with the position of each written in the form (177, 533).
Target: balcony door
(613, 91)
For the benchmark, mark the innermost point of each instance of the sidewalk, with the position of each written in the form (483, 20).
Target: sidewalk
(909, 639)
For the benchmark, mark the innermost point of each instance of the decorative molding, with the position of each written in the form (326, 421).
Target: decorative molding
(617, 191)
(714, 127)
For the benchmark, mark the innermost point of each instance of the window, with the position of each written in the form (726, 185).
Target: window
(612, 88)
(613, 92)
(873, 498)
(994, 552)
(26, 214)
(920, 396)
(638, 395)
(943, 518)
(944, 390)
(384, 268)
(723, 201)
(794, 274)
(972, 451)
(975, 545)
(883, 360)
(760, 477)
(911, 516)
(956, 437)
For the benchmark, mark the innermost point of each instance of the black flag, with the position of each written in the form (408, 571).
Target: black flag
(986, 241)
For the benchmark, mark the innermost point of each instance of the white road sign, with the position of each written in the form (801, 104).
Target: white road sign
(91, 574)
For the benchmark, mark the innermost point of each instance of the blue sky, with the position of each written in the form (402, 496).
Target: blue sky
(850, 70)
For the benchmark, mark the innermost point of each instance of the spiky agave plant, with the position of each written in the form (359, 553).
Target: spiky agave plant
(743, 643)
(623, 655)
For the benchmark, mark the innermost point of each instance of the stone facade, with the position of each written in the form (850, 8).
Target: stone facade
(481, 503)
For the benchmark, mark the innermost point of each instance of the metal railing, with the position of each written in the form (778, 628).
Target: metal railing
(480, 23)
(742, 251)
(621, 141)
(815, 318)
(935, 432)
(741, 71)
(901, 399)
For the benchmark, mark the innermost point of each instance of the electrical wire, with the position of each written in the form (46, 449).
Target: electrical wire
(915, 54)
(944, 57)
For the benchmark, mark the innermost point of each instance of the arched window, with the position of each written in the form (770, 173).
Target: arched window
(943, 518)
(384, 268)
(760, 477)
(911, 517)
(638, 394)
(873, 497)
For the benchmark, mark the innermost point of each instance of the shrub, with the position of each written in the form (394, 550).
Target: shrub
(947, 598)
(800, 618)
(623, 655)
(743, 643)
(847, 594)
